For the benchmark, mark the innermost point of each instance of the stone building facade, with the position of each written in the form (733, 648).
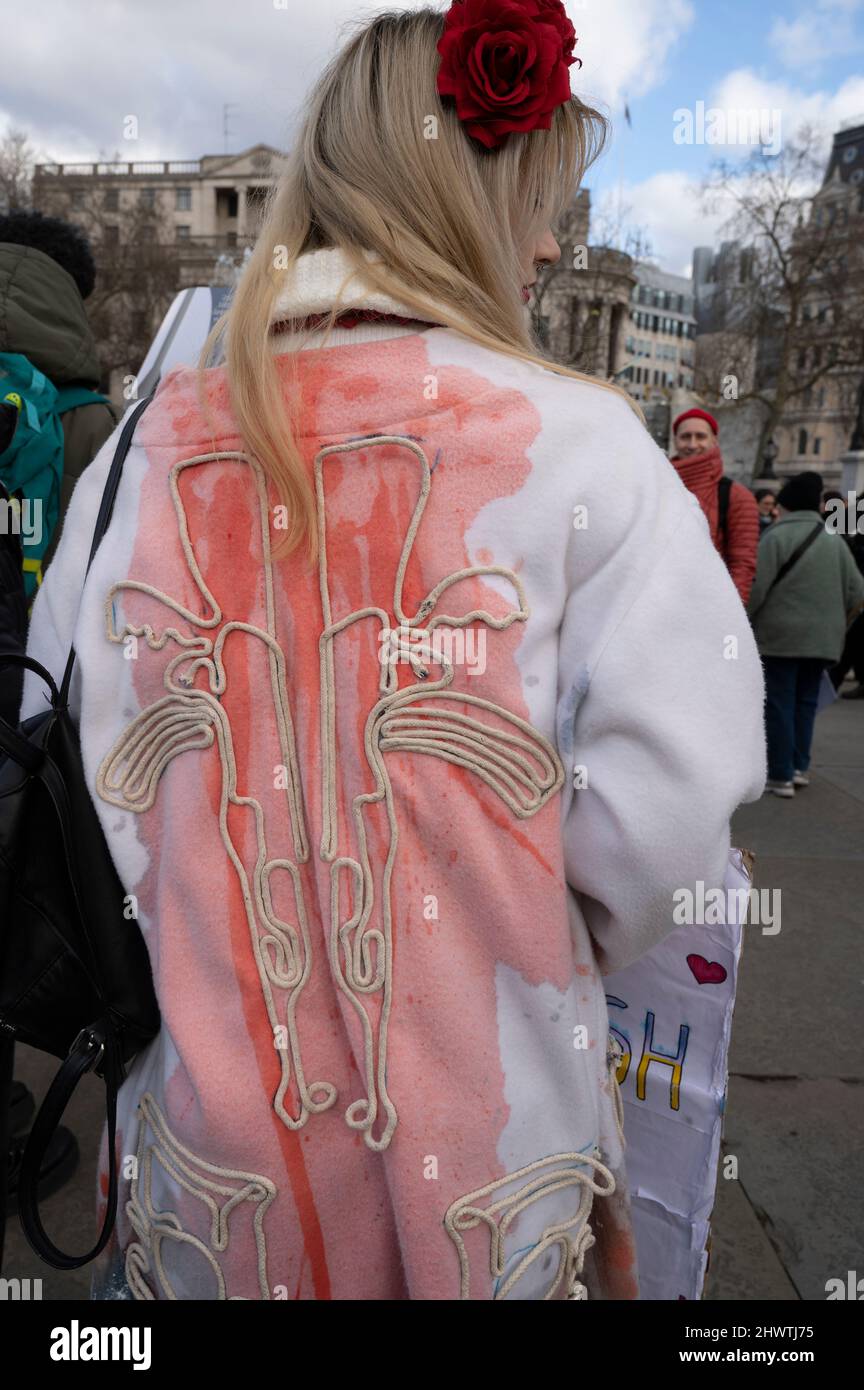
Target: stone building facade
(208, 208)
(816, 426)
(583, 303)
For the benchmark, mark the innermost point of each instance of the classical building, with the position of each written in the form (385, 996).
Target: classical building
(743, 335)
(659, 343)
(583, 302)
(816, 425)
(156, 227)
(209, 208)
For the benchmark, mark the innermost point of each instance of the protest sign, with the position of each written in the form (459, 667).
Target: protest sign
(671, 1012)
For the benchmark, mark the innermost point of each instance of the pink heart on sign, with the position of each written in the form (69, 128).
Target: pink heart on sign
(707, 972)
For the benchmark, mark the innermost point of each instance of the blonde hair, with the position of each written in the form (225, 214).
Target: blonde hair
(443, 218)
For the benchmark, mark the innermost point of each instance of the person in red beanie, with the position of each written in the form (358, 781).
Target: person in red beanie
(730, 508)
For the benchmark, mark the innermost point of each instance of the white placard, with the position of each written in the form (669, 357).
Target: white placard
(671, 1012)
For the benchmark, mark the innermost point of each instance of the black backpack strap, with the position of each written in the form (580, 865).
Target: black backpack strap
(7, 1062)
(724, 492)
(104, 517)
(93, 1044)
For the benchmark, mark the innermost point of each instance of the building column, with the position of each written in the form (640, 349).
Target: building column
(604, 339)
(241, 213)
(580, 324)
(619, 323)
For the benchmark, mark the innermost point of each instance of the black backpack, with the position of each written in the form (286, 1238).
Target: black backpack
(75, 977)
(13, 602)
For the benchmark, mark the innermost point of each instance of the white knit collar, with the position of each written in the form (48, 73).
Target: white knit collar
(319, 279)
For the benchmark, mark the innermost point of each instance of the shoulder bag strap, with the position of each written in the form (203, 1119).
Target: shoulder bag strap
(787, 564)
(724, 492)
(93, 1044)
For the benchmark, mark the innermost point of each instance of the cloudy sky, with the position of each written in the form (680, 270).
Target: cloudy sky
(75, 72)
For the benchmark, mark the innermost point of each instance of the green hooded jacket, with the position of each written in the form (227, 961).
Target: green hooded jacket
(42, 316)
(806, 613)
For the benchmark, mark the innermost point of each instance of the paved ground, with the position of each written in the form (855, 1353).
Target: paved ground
(795, 1119)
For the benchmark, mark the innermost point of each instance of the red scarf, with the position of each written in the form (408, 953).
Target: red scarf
(700, 475)
(701, 472)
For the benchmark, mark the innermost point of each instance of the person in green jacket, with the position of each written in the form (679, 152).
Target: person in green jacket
(799, 615)
(46, 273)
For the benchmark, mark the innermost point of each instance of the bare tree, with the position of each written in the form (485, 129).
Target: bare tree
(17, 159)
(613, 227)
(138, 271)
(787, 303)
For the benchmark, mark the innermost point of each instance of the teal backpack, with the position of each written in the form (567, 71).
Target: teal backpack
(31, 468)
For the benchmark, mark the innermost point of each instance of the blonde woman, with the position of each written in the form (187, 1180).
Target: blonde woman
(431, 710)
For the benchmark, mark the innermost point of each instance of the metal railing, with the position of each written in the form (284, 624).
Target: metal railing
(148, 168)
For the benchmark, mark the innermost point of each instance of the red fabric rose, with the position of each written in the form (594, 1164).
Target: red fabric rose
(506, 64)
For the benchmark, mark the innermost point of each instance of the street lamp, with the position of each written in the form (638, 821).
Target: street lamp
(769, 455)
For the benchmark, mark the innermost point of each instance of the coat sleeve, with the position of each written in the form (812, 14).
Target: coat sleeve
(743, 539)
(667, 732)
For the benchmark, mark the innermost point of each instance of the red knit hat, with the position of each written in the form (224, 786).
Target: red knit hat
(696, 415)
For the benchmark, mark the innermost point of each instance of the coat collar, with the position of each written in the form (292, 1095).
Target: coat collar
(319, 279)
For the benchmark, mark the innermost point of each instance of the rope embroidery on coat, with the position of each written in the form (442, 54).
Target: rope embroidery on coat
(520, 765)
(221, 1190)
(193, 718)
(545, 1177)
(426, 716)
(517, 762)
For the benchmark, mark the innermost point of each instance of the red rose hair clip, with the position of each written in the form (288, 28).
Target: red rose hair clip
(505, 63)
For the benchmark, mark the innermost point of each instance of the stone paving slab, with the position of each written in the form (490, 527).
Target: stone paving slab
(800, 1151)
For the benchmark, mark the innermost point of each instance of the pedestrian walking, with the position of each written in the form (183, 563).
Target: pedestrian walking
(806, 591)
(852, 657)
(766, 501)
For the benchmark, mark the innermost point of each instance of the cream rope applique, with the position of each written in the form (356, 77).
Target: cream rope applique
(517, 763)
(194, 718)
(614, 1058)
(573, 1236)
(223, 1192)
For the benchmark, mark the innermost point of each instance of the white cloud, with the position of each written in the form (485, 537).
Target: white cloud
(625, 45)
(173, 65)
(668, 208)
(822, 31)
(668, 205)
(744, 89)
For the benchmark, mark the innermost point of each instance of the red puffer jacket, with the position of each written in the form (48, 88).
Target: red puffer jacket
(701, 474)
